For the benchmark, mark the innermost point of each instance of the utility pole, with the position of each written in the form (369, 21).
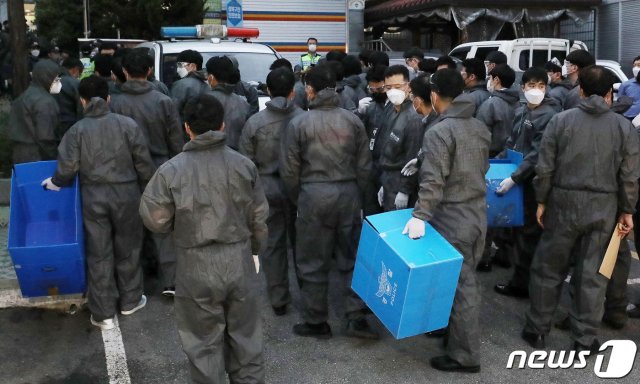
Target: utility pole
(85, 7)
(18, 35)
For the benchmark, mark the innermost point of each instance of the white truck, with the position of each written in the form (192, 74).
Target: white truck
(285, 25)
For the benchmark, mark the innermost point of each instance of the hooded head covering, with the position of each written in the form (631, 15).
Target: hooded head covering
(44, 72)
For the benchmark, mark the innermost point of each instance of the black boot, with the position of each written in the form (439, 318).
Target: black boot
(594, 348)
(535, 340)
(360, 328)
(280, 311)
(511, 290)
(319, 331)
(447, 364)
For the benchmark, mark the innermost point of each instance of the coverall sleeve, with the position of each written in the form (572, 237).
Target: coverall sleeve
(434, 171)
(629, 172)
(68, 159)
(145, 167)
(46, 121)
(412, 144)
(175, 136)
(486, 114)
(546, 165)
(157, 207)
(526, 169)
(290, 160)
(363, 161)
(260, 213)
(246, 145)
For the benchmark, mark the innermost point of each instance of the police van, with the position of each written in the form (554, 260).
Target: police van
(254, 59)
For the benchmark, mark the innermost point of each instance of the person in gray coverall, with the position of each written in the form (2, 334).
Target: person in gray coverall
(222, 76)
(69, 99)
(573, 64)
(110, 154)
(404, 137)
(216, 230)
(497, 113)
(586, 177)
(192, 81)
(474, 73)
(34, 115)
(261, 143)
(325, 163)
(156, 115)
(529, 122)
(452, 198)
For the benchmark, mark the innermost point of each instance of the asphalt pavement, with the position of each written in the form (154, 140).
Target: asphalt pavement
(53, 347)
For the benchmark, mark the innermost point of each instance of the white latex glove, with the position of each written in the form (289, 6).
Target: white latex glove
(636, 121)
(410, 168)
(415, 228)
(505, 186)
(256, 262)
(401, 200)
(48, 184)
(381, 196)
(363, 104)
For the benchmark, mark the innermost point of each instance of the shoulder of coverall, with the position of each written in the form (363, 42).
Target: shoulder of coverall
(97, 107)
(462, 106)
(44, 72)
(566, 84)
(136, 87)
(509, 95)
(326, 98)
(227, 89)
(594, 105)
(281, 105)
(198, 75)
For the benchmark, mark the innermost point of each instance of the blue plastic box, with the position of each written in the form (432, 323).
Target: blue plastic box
(46, 240)
(504, 210)
(408, 284)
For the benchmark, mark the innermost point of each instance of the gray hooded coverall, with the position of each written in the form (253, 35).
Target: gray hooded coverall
(111, 155)
(452, 198)
(216, 230)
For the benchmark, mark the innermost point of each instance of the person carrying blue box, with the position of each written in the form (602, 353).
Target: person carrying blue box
(452, 198)
(528, 126)
(110, 154)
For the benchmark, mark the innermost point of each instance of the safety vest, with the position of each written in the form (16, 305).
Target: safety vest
(89, 67)
(307, 60)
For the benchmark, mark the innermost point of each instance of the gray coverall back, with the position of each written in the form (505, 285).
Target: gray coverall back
(34, 115)
(216, 229)
(192, 85)
(560, 91)
(261, 143)
(156, 115)
(479, 94)
(110, 154)
(587, 174)
(69, 103)
(325, 164)
(497, 113)
(452, 198)
(236, 112)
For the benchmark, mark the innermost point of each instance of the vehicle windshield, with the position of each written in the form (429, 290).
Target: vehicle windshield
(253, 66)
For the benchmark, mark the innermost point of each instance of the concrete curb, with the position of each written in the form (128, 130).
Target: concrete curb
(10, 297)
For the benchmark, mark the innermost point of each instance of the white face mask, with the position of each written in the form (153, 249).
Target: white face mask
(635, 71)
(312, 47)
(490, 86)
(396, 96)
(182, 72)
(565, 71)
(534, 96)
(55, 88)
(35, 53)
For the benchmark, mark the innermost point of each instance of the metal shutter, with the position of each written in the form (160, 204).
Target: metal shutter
(607, 32)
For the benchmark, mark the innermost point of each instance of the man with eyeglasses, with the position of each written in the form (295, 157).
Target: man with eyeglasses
(452, 197)
(398, 142)
(412, 58)
(575, 61)
(474, 73)
(34, 116)
(192, 81)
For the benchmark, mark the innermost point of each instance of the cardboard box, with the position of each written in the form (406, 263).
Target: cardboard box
(46, 241)
(504, 210)
(408, 284)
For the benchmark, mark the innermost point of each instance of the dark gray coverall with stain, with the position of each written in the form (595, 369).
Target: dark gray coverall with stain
(452, 198)
(373, 120)
(236, 112)
(33, 119)
(156, 115)
(216, 230)
(69, 103)
(587, 174)
(325, 164)
(497, 113)
(110, 154)
(192, 85)
(261, 143)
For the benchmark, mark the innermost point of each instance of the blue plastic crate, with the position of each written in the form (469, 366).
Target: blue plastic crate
(46, 241)
(504, 210)
(408, 284)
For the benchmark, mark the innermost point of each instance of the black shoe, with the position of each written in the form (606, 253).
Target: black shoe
(447, 364)
(615, 321)
(360, 328)
(437, 333)
(484, 266)
(535, 340)
(564, 324)
(319, 331)
(501, 259)
(634, 313)
(510, 290)
(280, 311)
(169, 291)
(594, 348)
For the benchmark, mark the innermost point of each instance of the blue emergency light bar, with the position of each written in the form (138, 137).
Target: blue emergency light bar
(207, 31)
(179, 32)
